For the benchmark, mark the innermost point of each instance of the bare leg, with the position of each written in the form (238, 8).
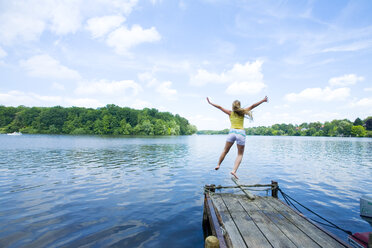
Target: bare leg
(226, 149)
(238, 160)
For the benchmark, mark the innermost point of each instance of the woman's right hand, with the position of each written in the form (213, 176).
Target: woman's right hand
(266, 99)
(208, 101)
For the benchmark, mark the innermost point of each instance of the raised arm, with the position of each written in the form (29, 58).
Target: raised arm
(256, 104)
(226, 111)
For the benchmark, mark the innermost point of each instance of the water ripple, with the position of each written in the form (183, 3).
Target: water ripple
(82, 191)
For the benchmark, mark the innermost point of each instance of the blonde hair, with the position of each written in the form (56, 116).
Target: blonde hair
(241, 111)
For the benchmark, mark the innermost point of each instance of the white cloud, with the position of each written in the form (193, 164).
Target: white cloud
(205, 122)
(355, 46)
(319, 94)
(367, 89)
(364, 102)
(314, 115)
(122, 39)
(245, 88)
(145, 76)
(197, 118)
(16, 26)
(84, 102)
(204, 77)
(148, 78)
(57, 86)
(16, 98)
(165, 90)
(345, 80)
(242, 78)
(140, 104)
(284, 106)
(26, 20)
(2, 53)
(44, 66)
(64, 16)
(100, 26)
(123, 88)
(323, 116)
(125, 6)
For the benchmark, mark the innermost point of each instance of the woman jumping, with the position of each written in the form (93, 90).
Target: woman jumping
(236, 131)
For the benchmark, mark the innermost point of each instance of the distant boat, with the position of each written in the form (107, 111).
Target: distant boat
(15, 133)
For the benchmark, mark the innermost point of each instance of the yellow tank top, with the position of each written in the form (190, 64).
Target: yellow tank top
(237, 121)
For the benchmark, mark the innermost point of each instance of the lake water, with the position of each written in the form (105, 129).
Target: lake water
(73, 191)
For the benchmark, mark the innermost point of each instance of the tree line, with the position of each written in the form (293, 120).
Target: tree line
(108, 120)
(335, 128)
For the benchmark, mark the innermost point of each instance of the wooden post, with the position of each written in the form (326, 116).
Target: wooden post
(205, 215)
(212, 242)
(213, 188)
(274, 189)
(210, 188)
(370, 240)
(206, 225)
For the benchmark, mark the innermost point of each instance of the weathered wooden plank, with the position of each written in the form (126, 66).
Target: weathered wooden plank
(275, 236)
(214, 221)
(316, 234)
(232, 234)
(295, 234)
(251, 234)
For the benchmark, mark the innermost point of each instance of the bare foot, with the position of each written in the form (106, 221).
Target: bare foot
(217, 167)
(234, 174)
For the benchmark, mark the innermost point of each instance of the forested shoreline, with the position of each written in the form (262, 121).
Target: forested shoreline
(335, 128)
(108, 120)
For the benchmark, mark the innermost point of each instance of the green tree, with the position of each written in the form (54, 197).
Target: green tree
(358, 122)
(191, 129)
(368, 123)
(358, 131)
(269, 131)
(319, 133)
(311, 131)
(160, 127)
(98, 127)
(110, 119)
(327, 128)
(126, 128)
(147, 128)
(7, 115)
(369, 134)
(316, 125)
(344, 128)
(173, 128)
(55, 116)
(53, 129)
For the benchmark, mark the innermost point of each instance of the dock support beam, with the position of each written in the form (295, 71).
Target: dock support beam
(213, 221)
(274, 189)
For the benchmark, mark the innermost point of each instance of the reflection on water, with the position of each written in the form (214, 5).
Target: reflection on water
(70, 191)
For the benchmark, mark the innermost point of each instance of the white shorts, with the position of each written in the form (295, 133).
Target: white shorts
(238, 135)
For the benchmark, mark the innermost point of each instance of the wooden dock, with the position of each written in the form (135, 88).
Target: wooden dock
(240, 221)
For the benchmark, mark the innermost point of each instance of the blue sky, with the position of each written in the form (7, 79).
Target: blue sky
(311, 58)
